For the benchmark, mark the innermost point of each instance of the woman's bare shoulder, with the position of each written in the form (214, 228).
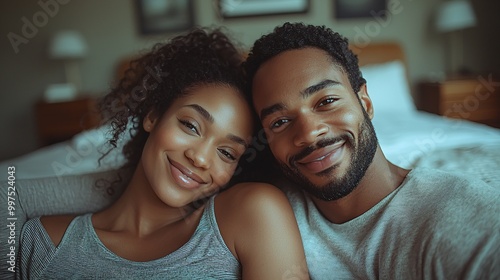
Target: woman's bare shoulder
(251, 198)
(253, 191)
(258, 224)
(247, 206)
(56, 226)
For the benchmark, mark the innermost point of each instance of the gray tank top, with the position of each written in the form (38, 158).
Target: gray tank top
(81, 255)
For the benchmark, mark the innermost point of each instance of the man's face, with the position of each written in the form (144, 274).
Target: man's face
(318, 130)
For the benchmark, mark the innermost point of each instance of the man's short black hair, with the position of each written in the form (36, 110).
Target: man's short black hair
(292, 36)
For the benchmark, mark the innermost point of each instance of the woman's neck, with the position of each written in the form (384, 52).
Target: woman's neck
(139, 210)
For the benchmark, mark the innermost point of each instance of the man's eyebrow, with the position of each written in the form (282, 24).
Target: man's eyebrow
(304, 93)
(204, 113)
(237, 139)
(317, 87)
(270, 110)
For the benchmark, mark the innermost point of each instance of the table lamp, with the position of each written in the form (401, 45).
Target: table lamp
(452, 18)
(68, 46)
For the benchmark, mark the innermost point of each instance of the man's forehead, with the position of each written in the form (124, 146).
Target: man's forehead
(298, 66)
(307, 55)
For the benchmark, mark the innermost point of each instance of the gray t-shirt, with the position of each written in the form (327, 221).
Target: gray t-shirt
(436, 225)
(81, 255)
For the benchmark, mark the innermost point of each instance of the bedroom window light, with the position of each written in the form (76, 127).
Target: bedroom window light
(453, 17)
(68, 46)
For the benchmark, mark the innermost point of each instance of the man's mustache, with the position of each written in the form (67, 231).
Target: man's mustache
(320, 144)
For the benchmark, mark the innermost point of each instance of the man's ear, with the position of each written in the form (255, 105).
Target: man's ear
(149, 121)
(365, 100)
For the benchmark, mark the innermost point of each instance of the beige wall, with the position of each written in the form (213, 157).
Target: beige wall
(110, 28)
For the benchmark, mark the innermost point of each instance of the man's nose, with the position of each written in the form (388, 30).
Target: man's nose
(307, 130)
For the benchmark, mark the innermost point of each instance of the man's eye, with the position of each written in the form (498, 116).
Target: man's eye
(327, 101)
(227, 154)
(278, 123)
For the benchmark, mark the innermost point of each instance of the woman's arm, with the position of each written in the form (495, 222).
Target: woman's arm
(259, 227)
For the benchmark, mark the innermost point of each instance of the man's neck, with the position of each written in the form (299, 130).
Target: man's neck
(380, 179)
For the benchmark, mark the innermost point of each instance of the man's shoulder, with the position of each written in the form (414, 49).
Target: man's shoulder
(432, 180)
(436, 185)
(449, 201)
(429, 174)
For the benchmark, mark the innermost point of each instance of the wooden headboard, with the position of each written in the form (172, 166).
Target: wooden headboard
(380, 52)
(375, 53)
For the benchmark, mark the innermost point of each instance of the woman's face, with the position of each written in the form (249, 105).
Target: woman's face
(194, 148)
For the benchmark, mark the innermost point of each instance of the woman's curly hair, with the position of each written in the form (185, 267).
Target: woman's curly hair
(292, 36)
(155, 80)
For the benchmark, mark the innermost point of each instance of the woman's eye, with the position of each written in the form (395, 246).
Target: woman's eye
(327, 101)
(189, 126)
(227, 154)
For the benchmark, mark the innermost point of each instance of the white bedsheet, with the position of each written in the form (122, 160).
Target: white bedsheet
(79, 155)
(406, 139)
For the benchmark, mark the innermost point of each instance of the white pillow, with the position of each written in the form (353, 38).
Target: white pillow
(388, 87)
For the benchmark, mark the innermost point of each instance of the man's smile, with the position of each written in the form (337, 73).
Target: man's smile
(323, 158)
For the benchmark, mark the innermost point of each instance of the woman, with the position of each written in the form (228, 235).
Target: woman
(189, 122)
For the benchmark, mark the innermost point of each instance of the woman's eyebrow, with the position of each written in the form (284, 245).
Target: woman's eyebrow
(204, 113)
(237, 139)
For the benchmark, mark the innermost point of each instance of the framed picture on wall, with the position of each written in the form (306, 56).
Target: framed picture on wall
(161, 16)
(251, 8)
(348, 9)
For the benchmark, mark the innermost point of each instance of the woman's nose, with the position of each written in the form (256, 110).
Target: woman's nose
(199, 155)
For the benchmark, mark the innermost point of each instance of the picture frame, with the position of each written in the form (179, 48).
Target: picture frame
(349, 9)
(251, 8)
(163, 16)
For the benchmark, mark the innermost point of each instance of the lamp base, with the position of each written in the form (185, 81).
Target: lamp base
(60, 92)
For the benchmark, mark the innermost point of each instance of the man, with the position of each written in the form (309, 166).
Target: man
(360, 216)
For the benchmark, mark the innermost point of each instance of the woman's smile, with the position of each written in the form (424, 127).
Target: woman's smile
(185, 177)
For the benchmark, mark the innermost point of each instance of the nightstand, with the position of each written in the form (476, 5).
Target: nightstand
(59, 121)
(474, 99)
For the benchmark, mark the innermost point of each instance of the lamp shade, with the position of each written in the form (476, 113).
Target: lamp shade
(67, 44)
(455, 15)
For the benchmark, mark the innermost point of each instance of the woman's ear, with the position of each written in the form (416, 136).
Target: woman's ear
(149, 121)
(365, 100)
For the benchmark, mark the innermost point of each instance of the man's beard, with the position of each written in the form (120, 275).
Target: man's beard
(337, 188)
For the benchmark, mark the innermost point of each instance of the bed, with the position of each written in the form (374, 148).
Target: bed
(408, 137)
